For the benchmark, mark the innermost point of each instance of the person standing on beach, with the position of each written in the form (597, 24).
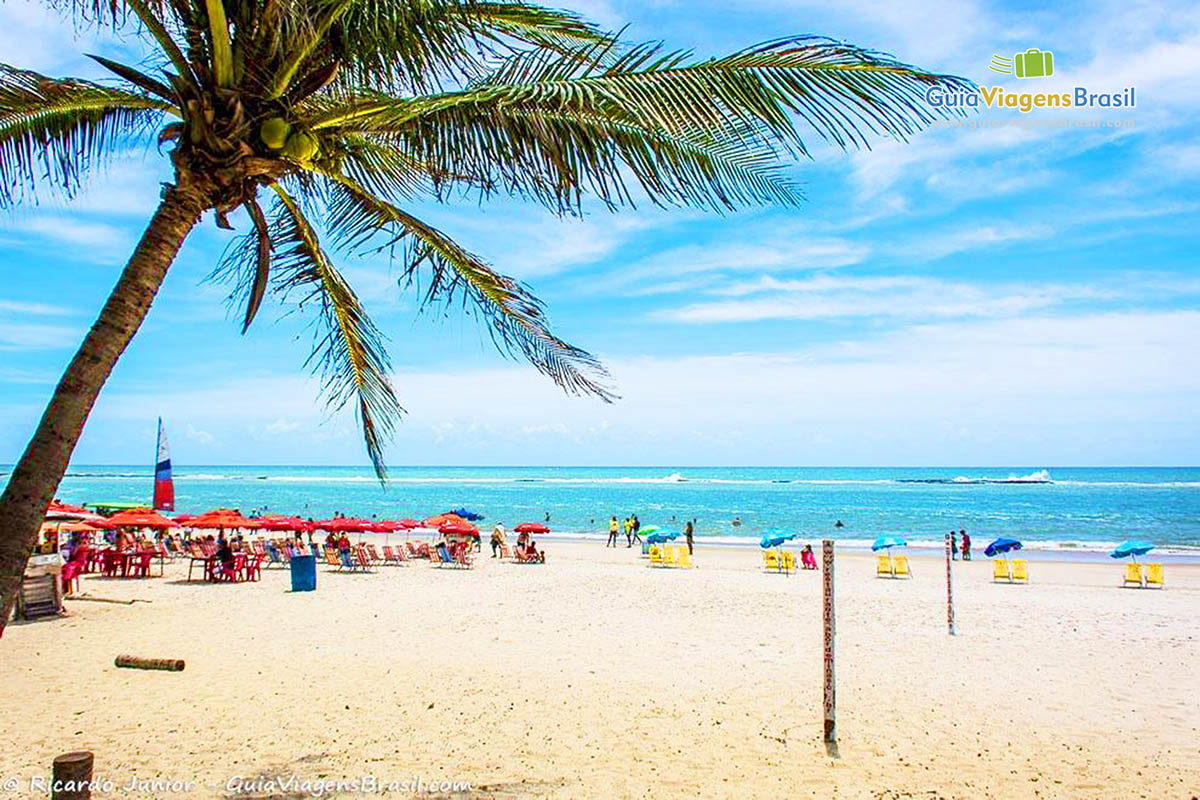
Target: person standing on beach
(637, 526)
(497, 539)
(612, 532)
(953, 546)
(628, 532)
(966, 544)
(688, 530)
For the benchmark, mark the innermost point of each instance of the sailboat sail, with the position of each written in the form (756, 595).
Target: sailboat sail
(164, 487)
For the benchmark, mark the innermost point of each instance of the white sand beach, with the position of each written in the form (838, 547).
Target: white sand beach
(596, 676)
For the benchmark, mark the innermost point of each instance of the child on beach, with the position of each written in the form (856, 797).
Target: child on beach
(966, 544)
(953, 546)
(807, 559)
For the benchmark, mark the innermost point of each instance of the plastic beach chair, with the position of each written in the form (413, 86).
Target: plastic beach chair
(1133, 574)
(884, 568)
(770, 561)
(902, 567)
(656, 556)
(787, 562)
(684, 559)
(1154, 575)
(1020, 571)
(1000, 570)
(670, 556)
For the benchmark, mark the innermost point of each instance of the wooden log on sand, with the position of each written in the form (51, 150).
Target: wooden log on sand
(72, 776)
(136, 662)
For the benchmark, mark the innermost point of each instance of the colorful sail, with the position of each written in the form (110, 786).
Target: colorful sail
(164, 487)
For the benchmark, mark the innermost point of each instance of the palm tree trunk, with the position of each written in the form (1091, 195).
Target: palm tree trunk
(36, 476)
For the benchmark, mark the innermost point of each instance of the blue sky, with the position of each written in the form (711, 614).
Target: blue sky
(999, 296)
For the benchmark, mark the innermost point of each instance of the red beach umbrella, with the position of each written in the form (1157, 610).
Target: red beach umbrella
(221, 518)
(532, 527)
(459, 528)
(275, 522)
(442, 519)
(408, 523)
(138, 518)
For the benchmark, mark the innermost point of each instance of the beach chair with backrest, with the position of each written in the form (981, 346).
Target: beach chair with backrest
(684, 559)
(362, 558)
(253, 566)
(1133, 574)
(902, 570)
(1000, 571)
(373, 553)
(656, 556)
(670, 556)
(1020, 570)
(1154, 575)
(884, 568)
(770, 561)
(331, 558)
(787, 562)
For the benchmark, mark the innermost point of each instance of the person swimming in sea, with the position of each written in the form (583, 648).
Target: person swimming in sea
(839, 524)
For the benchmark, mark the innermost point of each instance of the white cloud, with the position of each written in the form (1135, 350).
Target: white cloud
(192, 434)
(41, 309)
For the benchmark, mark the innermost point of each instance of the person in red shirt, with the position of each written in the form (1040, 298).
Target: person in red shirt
(966, 544)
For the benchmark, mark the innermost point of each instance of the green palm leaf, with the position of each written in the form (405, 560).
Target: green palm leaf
(515, 319)
(53, 131)
(348, 351)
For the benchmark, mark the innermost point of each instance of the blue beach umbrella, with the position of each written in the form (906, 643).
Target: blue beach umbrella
(1000, 546)
(1132, 548)
(775, 539)
(467, 513)
(660, 536)
(888, 542)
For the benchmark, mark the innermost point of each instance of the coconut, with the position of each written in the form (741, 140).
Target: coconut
(274, 132)
(301, 146)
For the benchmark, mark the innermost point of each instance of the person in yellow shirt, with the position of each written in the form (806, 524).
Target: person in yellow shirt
(612, 532)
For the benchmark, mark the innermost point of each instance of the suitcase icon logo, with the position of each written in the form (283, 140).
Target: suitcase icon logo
(1033, 63)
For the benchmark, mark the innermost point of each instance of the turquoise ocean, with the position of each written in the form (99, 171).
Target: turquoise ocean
(1066, 508)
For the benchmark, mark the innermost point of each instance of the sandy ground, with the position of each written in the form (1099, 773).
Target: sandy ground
(595, 676)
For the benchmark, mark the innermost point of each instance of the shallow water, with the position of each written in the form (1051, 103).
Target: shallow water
(1076, 508)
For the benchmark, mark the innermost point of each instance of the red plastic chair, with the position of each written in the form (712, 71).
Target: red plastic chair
(229, 573)
(139, 564)
(110, 561)
(252, 569)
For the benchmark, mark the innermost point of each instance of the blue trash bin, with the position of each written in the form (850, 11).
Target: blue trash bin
(304, 573)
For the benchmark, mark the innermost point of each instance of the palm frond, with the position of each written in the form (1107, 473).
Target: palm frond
(419, 47)
(55, 130)
(515, 319)
(348, 353)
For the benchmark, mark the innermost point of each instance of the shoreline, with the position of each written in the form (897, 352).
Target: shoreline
(1033, 551)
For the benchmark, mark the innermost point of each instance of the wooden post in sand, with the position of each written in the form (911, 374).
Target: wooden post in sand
(72, 776)
(830, 700)
(949, 587)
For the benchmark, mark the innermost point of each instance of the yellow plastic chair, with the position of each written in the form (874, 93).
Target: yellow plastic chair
(656, 558)
(883, 567)
(1154, 575)
(1000, 571)
(902, 567)
(669, 556)
(788, 562)
(770, 561)
(1133, 574)
(684, 559)
(1020, 570)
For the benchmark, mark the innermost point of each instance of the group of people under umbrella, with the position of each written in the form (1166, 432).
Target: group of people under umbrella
(125, 531)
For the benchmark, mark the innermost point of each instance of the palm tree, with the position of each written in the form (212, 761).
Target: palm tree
(348, 111)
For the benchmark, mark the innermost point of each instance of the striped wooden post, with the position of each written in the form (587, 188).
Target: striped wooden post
(949, 588)
(830, 698)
